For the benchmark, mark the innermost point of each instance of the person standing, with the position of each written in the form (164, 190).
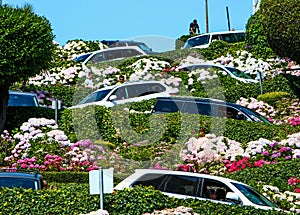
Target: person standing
(194, 27)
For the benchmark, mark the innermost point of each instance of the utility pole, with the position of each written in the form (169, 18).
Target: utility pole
(228, 19)
(206, 12)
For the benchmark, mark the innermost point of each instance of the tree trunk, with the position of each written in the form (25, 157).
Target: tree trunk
(3, 105)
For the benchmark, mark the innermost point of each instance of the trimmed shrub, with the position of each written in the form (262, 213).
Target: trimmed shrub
(257, 42)
(280, 21)
(272, 97)
(16, 116)
(272, 174)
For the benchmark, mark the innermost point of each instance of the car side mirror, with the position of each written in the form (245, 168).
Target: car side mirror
(231, 196)
(112, 97)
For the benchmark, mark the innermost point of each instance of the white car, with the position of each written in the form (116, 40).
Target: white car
(204, 40)
(124, 93)
(115, 53)
(181, 184)
(227, 70)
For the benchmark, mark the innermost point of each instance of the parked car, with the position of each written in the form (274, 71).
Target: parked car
(227, 70)
(115, 53)
(181, 184)
(205, 106)
(13, 178)
(22, 99)
(123, 93)
(121, 43)
(204, 40)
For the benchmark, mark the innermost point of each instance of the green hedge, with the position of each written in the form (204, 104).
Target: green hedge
(273, 174)
(75, 199)
(16, 116)
(146, 131)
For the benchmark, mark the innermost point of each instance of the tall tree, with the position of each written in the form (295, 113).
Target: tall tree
(26, 47)
(281, 23)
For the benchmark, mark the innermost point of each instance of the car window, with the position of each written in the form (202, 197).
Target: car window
(150, 180)
(22, 100)
(197, 41)
(240, 37)
(214, 37)
(255, 116)
(213, 189)
(238, 73)
(144, 89)
(95, 96)
(233, 37)
(121, 93)
(130, 52)
(180, 184)
(196, 108)
(254, 196)
(113, 54)
(82, 58)
(98, 57)
(144, 47)
(12, 182)
(170, 106)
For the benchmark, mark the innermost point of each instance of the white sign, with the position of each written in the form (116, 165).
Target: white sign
(58, 104)
(95, 181)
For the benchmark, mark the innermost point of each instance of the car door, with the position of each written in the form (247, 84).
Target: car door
(180, 186)
(195, 107)
(150, 179)
(213, 190)
(146, 91)
(167, 106)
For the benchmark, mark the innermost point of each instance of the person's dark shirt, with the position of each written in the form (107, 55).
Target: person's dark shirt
(194, 26)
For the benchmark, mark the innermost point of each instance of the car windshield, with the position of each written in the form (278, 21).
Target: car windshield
(238, 73)
(95, 96)
(144, 47)
(255, 116)
(82, 58)
(22, 100)
(197, 41)
(12, 182)
(254, 196)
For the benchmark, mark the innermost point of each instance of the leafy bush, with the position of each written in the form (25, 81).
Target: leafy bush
(273, 174)
(16, 116)
(74, 198)
(119, 126)
(215, 50)
(280, 21)
(257, 42)
(272, 97)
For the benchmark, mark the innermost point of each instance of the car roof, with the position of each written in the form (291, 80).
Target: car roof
(119, 48)
(197, 99)
(128, 84)
(12, 92)
(204, 64)
(34, 175)
(218, 32)
(119, 41)
(142, 172)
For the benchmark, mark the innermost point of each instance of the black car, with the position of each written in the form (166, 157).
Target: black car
(12, 178)
(208, 107)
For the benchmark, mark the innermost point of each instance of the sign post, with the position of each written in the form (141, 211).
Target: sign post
(101, 181)
(56, 105)
(259, 76)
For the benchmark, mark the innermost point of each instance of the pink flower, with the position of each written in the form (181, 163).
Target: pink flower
(23, 165)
